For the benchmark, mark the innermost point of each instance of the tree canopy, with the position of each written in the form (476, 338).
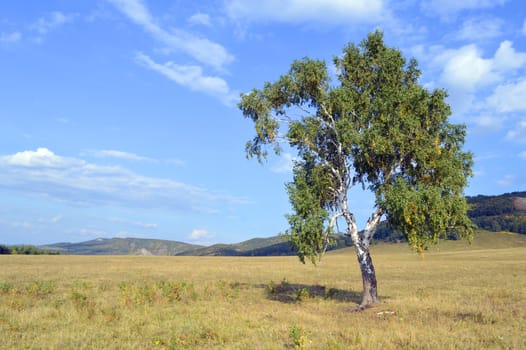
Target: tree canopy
(377, 128)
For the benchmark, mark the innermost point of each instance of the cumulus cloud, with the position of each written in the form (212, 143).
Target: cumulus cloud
(509, 97)
(41, 158)
(465, 70)
(465, 67)
(76, 181)
(298, 11)
(192, 77)
(199, 48)
(507, 59)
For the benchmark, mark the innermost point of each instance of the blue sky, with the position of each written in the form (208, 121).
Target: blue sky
(118, 118)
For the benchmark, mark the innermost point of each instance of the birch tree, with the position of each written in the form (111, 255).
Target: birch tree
(376, 128)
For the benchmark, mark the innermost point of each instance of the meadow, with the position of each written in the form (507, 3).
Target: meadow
(456, 296)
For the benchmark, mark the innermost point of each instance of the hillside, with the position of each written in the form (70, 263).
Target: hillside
(506, 212)
(122, 246)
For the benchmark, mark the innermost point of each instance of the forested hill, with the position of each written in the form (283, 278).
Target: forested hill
(505, 212)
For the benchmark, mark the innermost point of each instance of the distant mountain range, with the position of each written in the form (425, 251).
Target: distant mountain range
(122, 246)
(506, 212)
(136, 246)
(139, 246)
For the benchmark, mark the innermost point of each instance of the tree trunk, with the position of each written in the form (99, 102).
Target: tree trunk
(370, 291)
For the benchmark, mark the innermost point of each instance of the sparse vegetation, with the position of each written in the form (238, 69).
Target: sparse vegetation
(458, 297)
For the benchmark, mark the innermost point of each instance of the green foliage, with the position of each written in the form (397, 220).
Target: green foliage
(377, 128)
(425, 214)
(4, 249)
(26, 250)
(307, 225)
(299, 338)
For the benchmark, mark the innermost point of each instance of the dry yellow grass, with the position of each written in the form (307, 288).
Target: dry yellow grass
(457, 297)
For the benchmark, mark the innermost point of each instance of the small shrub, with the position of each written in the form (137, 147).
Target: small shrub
(299, 338)
(302, 294)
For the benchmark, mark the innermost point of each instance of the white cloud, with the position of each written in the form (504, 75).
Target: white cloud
(200, 19)
(465, 68)
(136, 10)
(41, 158)
(10, 38)
(453, 7)
(51, 21)
(523, 155)
(509, 97)
(192, 77)
(201, 49)
(507, 59)
(479, 29)
(298, 11)
(524, 28)
(120, 155)
(466, 72)
(199, 234)
(76, 181)
(518, 133)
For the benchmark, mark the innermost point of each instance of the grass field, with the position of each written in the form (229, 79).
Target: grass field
(454, 297)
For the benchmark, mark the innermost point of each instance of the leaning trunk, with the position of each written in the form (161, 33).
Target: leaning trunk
(361, 246)
(370, 291)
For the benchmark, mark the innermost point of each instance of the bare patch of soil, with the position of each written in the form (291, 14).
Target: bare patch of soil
(519, 203)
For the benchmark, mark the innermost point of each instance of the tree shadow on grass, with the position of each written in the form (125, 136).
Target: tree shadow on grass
(286, 292)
